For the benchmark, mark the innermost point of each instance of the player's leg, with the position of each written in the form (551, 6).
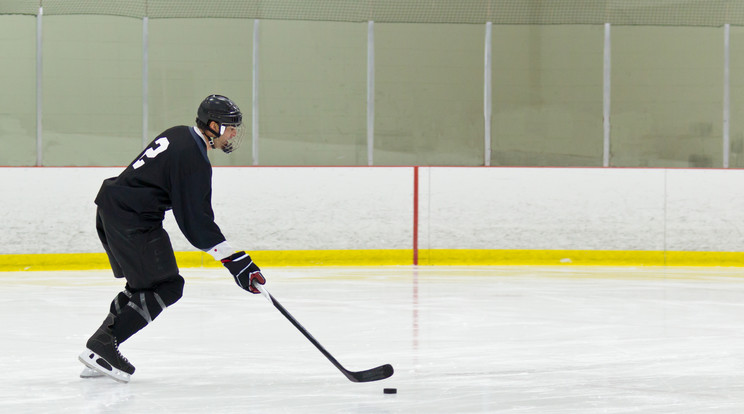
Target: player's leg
(143, 306)
(153, 283)
(147, 261)
(121, 300)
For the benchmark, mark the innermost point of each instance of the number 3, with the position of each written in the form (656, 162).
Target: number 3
(162, 145)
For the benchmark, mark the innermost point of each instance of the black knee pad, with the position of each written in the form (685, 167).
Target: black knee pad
(149, 303)
(171, 290)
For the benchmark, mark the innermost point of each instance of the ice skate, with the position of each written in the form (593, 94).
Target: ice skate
(102, 354)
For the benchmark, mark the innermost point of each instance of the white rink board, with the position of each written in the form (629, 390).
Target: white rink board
(51, 210)
(705, 210)
(582, 209)
(539, 208)
(308, 208)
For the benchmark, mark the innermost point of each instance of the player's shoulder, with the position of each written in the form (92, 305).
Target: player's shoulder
(177, 132)
(179, 137)
(183, 143)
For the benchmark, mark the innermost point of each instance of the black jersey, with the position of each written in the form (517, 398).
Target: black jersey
(173, 172)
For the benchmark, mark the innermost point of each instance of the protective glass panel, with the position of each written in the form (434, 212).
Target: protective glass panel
(18, 100)
(667, 97)
(191, 59)
(736, 125)
(92, 90)
(547, 95)
(312, 93)
(429, 94)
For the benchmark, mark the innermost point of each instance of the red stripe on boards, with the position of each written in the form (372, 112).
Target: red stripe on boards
(415, 213)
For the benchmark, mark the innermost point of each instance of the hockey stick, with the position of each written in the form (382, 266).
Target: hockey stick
(374, 374)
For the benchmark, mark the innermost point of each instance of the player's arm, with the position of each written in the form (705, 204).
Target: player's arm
(192, 207)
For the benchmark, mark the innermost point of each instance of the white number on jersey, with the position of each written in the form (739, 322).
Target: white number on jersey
(162, 145)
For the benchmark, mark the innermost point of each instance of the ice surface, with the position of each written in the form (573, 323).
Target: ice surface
(461, 339)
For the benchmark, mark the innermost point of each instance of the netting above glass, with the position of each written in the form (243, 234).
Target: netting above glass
(618, 12)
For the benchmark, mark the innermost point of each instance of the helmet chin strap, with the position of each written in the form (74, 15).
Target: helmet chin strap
(211, 139)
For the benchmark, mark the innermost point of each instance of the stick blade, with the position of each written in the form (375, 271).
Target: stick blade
(374, 374)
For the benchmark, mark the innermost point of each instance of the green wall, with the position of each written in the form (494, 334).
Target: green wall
(547, 95)
(18, 99)
(547, 91)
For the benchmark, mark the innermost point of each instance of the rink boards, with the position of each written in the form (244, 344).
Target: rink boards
(398, 215)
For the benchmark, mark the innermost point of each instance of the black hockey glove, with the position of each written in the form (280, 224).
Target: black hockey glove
(244, 271)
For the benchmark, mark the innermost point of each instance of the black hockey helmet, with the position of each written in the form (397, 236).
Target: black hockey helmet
(225, 113)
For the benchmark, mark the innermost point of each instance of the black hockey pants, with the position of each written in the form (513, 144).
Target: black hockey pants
(143, 255)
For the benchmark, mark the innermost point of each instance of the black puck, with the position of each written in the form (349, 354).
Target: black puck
(390, 390)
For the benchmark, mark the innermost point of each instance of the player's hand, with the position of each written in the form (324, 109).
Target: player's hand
(244, 271)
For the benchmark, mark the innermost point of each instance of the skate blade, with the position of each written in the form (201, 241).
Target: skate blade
(91, 360)
(90, 373)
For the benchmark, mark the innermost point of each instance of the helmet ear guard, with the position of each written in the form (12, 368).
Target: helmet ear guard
(223, 111)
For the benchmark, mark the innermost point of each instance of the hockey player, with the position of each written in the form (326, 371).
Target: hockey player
(173, 172)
